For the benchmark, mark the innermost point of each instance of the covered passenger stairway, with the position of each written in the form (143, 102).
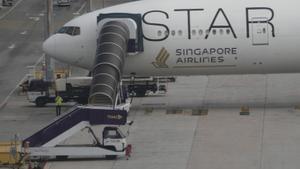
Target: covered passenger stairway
(109, 63)
(116, 39)
(120, 34)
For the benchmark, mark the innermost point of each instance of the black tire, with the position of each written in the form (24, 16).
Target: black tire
(83, 101)
(61, 158)
(111, 157)
(37, 167)
(40, 102)
(154, 88)
(140, 92)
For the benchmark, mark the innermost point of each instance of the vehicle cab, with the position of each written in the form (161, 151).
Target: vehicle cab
(114, 139)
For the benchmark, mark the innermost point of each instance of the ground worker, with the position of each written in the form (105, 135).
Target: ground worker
(58, 102)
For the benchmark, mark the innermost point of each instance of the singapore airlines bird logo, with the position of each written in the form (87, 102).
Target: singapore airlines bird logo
(161, 58)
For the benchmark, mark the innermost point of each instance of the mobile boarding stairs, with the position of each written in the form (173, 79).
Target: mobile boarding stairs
(120, 36)
(47, 142)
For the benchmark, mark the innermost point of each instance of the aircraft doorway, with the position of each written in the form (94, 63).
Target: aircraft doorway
(260, 32)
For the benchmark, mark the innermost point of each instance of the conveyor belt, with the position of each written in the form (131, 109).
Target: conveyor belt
(109, 62)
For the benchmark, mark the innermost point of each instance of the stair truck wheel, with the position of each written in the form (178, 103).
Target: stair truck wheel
(140, 92)
(41, 101)
(111, 157)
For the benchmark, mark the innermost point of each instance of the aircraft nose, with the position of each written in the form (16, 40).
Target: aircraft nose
(49, 46)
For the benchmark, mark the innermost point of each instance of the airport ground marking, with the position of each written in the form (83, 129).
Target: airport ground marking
(4, 103)
(23, 33)
(80, 9)
(12, 46)
(11, 9)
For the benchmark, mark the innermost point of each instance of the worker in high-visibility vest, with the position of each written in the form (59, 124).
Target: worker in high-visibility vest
(58, 102)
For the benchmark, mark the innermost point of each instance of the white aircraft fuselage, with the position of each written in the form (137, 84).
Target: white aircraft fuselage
(196, 38)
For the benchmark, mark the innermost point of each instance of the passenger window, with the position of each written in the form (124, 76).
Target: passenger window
(180, 32)
(166, 33)
(173, 33)
(221, 31)
(207, 31)
(194, 32)
(159, 33)
(228, 31)
(200, 32)
(214, 32)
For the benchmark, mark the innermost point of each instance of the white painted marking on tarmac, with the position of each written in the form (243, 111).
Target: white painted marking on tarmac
(80, 9)
(39, 60)
(4, 103)
(41, 14)
(11, 9)
(35, 18)
(12, 46)
(23, 33)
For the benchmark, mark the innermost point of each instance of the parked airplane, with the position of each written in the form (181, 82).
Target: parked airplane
(194, 37)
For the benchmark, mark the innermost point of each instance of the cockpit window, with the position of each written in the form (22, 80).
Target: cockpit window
(76, 31)
(62, 30)
(70, 30)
